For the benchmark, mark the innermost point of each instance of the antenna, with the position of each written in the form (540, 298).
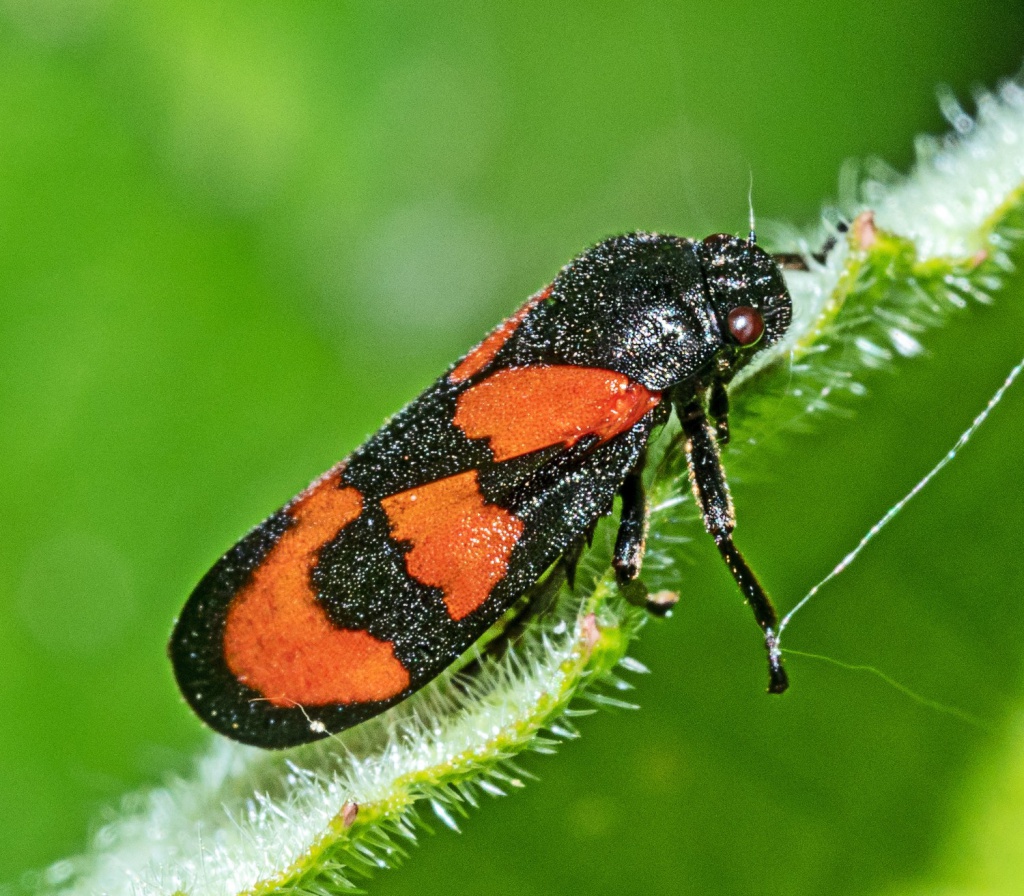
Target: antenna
(752, 239)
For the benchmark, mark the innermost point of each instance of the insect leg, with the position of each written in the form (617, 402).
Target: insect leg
(574, 553)
(791, 261)
(712, 494)
(794, 261)
(718, 408)
(537, 601)
(629, 544)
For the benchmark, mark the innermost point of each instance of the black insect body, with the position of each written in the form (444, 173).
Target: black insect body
(385, 570)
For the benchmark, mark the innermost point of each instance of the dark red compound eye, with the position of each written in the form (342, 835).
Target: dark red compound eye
(746, 325)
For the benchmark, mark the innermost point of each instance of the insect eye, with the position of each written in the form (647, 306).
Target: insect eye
(746, 325)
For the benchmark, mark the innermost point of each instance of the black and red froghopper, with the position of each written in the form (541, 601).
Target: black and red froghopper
(393, 563)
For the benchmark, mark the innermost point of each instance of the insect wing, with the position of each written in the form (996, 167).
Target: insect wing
(385, 570)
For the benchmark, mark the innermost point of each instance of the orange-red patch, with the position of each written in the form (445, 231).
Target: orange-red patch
(279, 641)
(524, 409)
(484, 353)
(460, 543)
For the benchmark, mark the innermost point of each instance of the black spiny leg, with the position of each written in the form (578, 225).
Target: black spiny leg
(718, 408)
(629, 544)
(537, 601)
(631, 541)
(571, 559)
(712, 494)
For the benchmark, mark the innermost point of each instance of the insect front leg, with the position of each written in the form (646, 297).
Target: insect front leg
(712, 493)
(537, 601)
(794, 261)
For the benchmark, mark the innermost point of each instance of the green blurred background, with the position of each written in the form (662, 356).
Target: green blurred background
(235, 236)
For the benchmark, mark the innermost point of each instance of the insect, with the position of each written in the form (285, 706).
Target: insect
(392, 564)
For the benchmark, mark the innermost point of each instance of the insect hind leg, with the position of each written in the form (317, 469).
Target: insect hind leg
(535, 602)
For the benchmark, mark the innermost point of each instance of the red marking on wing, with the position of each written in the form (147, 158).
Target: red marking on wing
(524, 409)
(277, 638)
(460, 543)
(484, 353)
